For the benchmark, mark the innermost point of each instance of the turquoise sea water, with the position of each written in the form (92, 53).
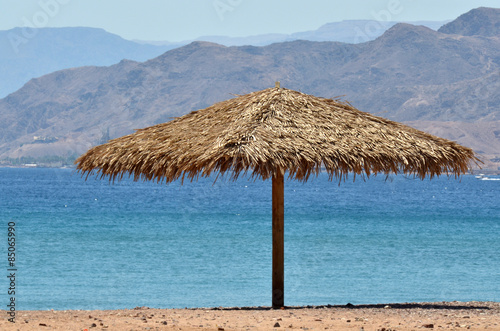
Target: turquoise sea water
(95, 245)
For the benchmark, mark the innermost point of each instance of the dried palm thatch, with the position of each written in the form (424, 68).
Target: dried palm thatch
(273, 131)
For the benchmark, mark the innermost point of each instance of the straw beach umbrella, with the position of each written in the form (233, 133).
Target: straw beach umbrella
(272, 133)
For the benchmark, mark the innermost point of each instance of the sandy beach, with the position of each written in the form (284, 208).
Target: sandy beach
(383, 317)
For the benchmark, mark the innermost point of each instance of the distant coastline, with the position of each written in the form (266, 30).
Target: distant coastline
(475, 172)
(53, 161)
(32, 166)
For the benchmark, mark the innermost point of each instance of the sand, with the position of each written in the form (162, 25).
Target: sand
(409, 316)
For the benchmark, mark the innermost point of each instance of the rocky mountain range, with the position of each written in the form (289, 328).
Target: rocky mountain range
(446, 82)
(26, 53)
(478, 22)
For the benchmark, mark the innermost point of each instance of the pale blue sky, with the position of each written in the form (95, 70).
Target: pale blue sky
(176, 20)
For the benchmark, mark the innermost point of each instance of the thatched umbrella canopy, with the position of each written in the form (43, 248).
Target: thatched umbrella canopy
(272, 132)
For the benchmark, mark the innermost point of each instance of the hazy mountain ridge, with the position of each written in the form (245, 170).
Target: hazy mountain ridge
(348, 31)
(411, 73)
(26, 53)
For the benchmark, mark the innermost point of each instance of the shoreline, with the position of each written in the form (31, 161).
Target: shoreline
(473, 315)
(475, 172)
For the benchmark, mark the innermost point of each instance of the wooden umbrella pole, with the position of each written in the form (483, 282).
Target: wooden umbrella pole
(278, 241)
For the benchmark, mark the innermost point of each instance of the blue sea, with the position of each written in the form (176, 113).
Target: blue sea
(98, 245)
